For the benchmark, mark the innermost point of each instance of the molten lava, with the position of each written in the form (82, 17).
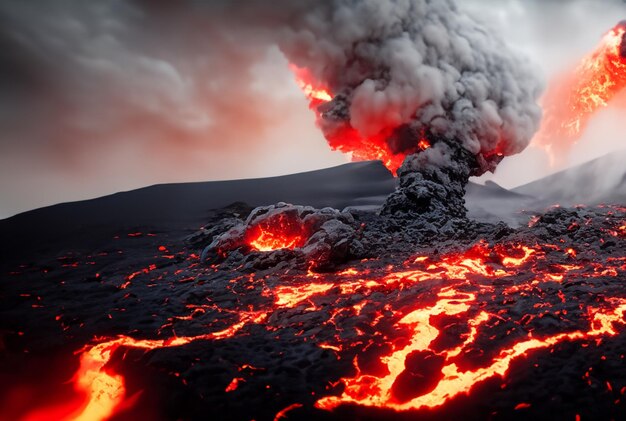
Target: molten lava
(105, 391)
(275, 235)
(408, 332)
(268, 240)
(571, 101)
(424, 364)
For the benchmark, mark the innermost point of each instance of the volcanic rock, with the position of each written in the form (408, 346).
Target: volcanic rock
(532, 318)
(432, 185)
(321, 237)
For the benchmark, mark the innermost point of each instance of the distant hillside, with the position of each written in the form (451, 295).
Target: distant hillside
(597, 181)
(177, 209)
(183, 206)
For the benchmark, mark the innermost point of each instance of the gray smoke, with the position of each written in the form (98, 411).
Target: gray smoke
(421, 65)
(117, 94)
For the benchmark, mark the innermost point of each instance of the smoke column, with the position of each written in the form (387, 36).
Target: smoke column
(386, 78)
(192, 84)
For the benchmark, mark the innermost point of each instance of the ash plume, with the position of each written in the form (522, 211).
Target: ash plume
(401, 69)
(110, 83)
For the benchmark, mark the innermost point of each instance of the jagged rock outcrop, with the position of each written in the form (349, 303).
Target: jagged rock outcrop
(432, 185)
(319, 238)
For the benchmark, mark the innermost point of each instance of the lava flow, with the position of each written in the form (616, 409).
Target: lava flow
(104, 391)
(572, 100)
(416, 334)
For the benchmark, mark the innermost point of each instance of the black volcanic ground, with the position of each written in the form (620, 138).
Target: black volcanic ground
(122, 265)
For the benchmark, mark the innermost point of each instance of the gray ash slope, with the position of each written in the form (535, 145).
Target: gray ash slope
(600, 180)
(185, 207)
(144, 279)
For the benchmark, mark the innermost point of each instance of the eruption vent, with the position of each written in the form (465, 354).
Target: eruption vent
(570, 103)
(386, 78)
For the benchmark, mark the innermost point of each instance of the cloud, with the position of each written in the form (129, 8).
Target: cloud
(110, 95)
(92, 90)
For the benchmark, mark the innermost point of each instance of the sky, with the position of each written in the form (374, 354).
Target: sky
(108, 96)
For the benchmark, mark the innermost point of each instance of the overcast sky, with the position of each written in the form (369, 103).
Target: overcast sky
(99, 97)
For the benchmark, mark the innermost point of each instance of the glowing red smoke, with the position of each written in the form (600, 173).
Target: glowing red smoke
(348, 140)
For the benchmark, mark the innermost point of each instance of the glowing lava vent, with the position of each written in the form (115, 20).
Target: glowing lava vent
(275, 237)
(571, 101)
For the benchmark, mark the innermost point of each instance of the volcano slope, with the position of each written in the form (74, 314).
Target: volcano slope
(410, 312)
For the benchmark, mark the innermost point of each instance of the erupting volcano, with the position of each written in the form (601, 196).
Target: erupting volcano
(373, 296)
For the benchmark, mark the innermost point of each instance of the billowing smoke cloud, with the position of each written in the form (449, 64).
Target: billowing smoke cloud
(400, 70)
(105, 93)
(529, 26)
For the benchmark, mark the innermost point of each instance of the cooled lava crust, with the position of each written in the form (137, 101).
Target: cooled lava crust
(532, 320)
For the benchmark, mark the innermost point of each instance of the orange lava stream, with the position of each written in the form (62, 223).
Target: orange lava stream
(289, 297)
(370, 390)
(571, 101)
(105, 391)
(456, 273)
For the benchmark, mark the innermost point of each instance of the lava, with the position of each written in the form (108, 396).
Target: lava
(281, 233)
(369, 390)
(413, 331)
(572, 100)
(268, 239)
(105, 391)
(289, 297)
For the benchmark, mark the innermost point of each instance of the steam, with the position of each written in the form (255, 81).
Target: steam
(401, 68)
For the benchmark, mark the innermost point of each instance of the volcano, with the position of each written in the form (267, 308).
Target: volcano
(369, 298)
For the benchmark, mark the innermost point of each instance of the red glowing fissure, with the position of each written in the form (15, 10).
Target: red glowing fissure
(457, 279)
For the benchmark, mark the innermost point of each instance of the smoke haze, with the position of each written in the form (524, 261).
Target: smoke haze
(556, 35)
(106, 96)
